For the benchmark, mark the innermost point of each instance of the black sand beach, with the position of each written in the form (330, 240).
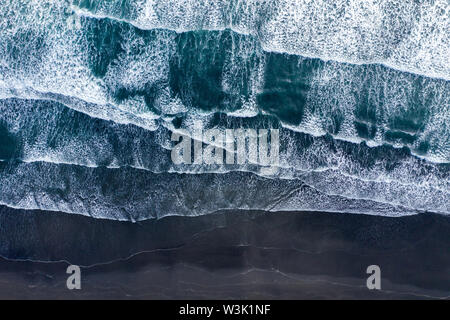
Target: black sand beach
(228, 255)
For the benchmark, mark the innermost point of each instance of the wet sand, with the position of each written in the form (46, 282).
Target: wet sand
(228, 255)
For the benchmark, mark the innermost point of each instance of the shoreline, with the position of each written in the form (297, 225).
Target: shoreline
(232, 255)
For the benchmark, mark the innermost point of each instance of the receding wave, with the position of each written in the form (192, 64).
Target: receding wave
(134, 195)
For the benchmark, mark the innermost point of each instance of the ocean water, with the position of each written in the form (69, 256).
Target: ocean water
(90, 92)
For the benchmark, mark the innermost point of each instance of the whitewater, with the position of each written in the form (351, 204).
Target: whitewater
(91, 90)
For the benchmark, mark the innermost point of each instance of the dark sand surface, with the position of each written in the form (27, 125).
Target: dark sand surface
(228, 255)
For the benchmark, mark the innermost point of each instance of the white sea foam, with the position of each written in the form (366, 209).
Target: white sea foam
(382, 100)
(328, 168)
(40, 55)
(408, 35)
(49, 60)
(43, 58)
(139, 195)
